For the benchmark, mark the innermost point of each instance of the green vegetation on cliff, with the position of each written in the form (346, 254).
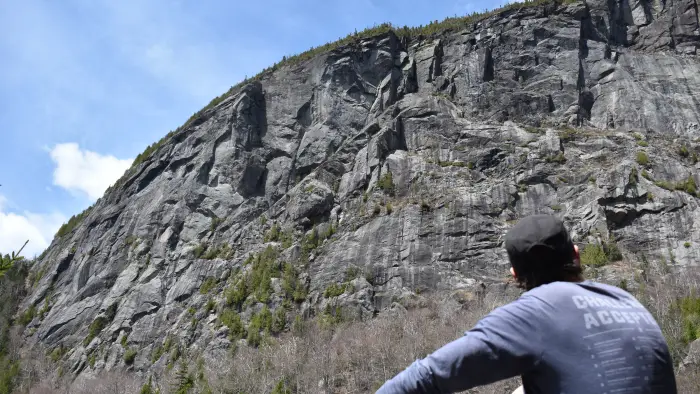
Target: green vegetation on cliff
(13, 273)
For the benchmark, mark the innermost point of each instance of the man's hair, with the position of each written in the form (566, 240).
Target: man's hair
(532, 277)
(541, 269)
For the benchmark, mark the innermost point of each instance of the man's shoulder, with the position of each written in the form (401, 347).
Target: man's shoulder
(554, 288)
(557, 289)
(552, 292)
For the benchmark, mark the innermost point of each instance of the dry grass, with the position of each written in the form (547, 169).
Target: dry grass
(357, 357)
(688, 381)
(352, 358)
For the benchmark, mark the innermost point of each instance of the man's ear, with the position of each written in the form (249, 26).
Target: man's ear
(512, 272)
(577, 255)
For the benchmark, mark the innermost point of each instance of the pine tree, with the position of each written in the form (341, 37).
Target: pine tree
(184, 381)
(9, 260)
(147, 388)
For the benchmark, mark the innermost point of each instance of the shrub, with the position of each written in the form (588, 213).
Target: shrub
(612, 252)
(150, 149)
(57, 354)
(174, 355)
(99, 324)
(352, 273)
(310, 241)
(157, 353)
(452, 164)
(147, 388)
(330, 231)
(690, 315)
(334, 290)
(210, 306)
(281, 388)
(237, 293)
(294, 289)
(232, 320)
(623, 284)
(254, 338)
(27, 316)
(687, 244)
(215, 222)
(558, 158)
(159, 350)
(593, 255)
(683, 151)
(72, 223)
(211, 254)
(199, 250)
(331, 316)
(207, 286)
(280, 320)
(223, 251)
(689, 185)
(265, 267)
(297, 325)
(642, 158)
(664, 185)
(568, 134)
(273, 234)
(129, 356)
(633, 179)
(386, 183)
(262, 321)
(44, 309)
(9, 371)
(389, 208)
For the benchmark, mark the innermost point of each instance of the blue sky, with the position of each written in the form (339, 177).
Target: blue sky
(86, 85)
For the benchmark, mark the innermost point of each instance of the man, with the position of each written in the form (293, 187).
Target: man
(564, 335)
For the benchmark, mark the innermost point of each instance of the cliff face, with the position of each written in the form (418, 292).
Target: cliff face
(390, 166)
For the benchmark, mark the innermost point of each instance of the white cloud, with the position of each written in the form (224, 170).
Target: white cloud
(85, 171)
(16, 229)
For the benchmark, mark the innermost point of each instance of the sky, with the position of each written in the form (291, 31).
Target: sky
(86, 85)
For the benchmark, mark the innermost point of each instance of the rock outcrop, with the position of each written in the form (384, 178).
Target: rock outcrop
(692, 359)
(391, 166)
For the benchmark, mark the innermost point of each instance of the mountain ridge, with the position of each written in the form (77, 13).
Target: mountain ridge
(352, 182)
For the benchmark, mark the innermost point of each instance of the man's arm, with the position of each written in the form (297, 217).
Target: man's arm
(504, 344)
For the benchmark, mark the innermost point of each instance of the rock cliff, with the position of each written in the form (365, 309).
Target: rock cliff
(359, 178)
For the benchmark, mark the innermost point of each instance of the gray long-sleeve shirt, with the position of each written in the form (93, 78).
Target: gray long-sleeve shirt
(572, 338)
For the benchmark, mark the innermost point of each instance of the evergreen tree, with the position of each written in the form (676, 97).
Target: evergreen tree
(7, 261)
(184, 381)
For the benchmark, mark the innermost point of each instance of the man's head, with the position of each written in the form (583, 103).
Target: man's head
(541, 251)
